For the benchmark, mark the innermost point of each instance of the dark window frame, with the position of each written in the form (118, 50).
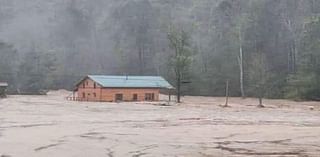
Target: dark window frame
(149, 97)
(135, 97)
(119, 97)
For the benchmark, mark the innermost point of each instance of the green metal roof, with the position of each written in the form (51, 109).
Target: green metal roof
(131, 81)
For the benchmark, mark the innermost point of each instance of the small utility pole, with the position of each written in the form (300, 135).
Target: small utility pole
(227, 93)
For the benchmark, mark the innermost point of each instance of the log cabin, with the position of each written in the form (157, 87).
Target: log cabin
(106, 88)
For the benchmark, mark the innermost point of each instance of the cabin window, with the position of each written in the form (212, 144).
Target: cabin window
(119, 97)
(94, 85)
(135, 97)
(87, 82)
(84, 95)
(84, 85)
(94, 94)
(149, 97)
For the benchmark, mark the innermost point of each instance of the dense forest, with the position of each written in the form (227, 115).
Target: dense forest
(268, 48)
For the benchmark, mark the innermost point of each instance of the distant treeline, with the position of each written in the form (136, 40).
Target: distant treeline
(262, 47)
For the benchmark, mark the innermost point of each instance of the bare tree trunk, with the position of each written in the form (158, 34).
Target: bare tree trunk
(240, 60)
(178, 88)
(140, 60)
(292, 65)
(143, 59)
(294, 56)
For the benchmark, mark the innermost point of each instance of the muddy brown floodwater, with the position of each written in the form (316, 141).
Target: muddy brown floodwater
(49, 126)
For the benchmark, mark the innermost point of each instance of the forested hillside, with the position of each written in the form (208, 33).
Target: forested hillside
(263, 47)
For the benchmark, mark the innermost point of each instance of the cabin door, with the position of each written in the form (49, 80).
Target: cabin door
(135, 97)
(119, 97)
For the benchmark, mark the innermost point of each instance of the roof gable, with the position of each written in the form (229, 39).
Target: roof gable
(130, 81)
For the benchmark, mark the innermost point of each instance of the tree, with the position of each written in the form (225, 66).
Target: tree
(36, 72)
(306, 83)
(135, 32)
(130, 37)
(181, 60)
(8, 64)
(234, 11)
(259, 77)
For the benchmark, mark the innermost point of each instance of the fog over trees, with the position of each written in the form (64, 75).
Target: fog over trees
(265, 48)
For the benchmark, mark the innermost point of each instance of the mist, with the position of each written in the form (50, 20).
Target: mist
(256, 45)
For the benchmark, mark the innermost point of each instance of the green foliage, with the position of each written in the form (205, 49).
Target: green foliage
(303, 86)
(8, 64)
(182, 58)
(258, 72)
(278, 41)
(36, 72)
(306, 83)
